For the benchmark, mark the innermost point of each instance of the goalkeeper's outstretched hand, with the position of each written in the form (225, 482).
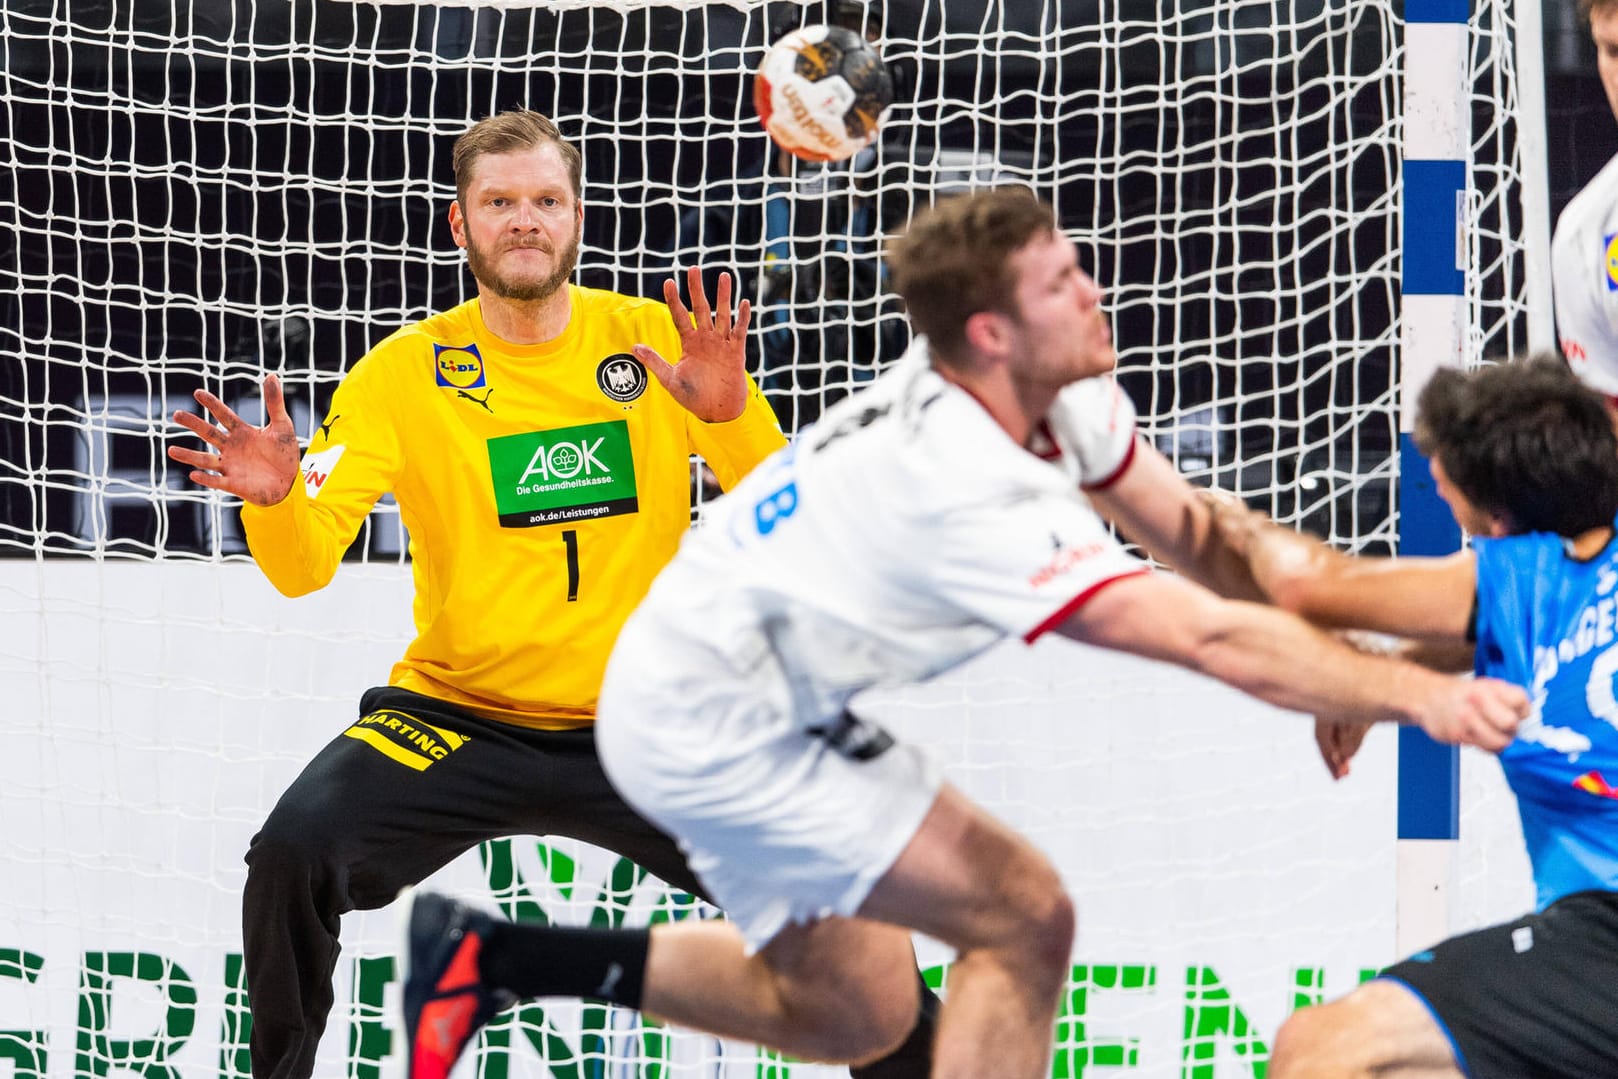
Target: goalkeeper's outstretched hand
(709, 379)
(258, 464)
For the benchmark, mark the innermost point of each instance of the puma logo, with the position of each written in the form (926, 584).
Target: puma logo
(325, 428)
(484, 403)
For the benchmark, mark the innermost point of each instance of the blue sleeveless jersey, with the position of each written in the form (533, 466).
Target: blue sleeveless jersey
(1546, 621)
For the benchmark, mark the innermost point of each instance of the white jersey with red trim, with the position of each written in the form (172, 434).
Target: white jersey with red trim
(901, 535)
(898, 537)
(1584, 274)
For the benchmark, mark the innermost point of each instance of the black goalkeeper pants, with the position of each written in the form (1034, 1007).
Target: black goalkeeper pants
(408, 788)
(381, 807)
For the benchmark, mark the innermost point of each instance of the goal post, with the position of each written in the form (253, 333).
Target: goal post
(195, 194)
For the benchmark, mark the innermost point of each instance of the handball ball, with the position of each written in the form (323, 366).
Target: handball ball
(822, 92)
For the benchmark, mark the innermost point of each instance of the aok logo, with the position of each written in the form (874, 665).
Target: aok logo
(459, 367)
(564, 474)
(564, 461)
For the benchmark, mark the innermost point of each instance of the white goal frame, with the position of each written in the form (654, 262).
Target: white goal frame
(199, 193)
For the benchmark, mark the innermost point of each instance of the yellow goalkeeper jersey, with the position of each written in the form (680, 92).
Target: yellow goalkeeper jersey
(543, 486)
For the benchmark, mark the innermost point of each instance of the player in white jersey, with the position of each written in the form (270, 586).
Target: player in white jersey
(920, 522)
(1584, 251)
(841, 576)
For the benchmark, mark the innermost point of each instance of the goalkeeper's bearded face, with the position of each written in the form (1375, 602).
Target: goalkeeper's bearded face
(521, 224)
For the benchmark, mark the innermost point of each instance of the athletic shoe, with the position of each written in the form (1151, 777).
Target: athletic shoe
(445, 1000)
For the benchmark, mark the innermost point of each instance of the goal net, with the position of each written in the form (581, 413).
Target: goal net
(199, 193)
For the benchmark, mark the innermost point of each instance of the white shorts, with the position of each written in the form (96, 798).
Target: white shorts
(780, 826)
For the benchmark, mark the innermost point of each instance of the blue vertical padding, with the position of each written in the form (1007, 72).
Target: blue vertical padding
(1429, 773)
(1429, 787)
(1432, 190)
(1437, 10)
(1426, 526)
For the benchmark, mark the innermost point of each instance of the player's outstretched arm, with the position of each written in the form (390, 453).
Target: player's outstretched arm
(1154, 506)
(709, 379)
(258, 464)
(1279, 658)
(1425, 599)
(1339, 742)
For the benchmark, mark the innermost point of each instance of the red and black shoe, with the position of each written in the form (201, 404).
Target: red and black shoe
(445, 1000)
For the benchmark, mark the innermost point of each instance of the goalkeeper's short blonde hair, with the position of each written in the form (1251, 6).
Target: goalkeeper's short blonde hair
(509, 132)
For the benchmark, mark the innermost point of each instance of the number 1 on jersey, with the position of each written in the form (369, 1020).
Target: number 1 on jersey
(570, 539)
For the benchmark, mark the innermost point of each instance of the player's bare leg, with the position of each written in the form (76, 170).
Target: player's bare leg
(965, 879)
(968, 880)
(840, 989)
(1380, 1029)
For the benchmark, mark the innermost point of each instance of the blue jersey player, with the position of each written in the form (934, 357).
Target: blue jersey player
(1526, 458)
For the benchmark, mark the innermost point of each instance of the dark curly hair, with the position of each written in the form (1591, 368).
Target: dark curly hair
(1525, 441)
(1590, 7)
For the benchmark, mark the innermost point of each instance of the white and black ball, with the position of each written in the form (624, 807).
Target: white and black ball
(823, 92)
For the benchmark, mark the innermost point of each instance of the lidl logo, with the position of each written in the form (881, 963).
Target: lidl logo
(1610, 242)
(459, 367)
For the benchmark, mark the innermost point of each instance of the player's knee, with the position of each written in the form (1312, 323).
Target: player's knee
(868, 1023)
(861, 1008)
(1055, 930)
(884, 1021)
(897, 1002)
(1381, 1028)
(1046, 916)
(1309, 1046)
(1289, 1050)
(291, 844)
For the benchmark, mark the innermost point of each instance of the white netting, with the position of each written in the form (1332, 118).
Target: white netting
(197, 193)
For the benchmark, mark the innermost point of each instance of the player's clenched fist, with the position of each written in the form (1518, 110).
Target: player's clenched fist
(1483, 712)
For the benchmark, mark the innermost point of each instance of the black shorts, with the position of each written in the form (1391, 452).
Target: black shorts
(1537, 997)
(395, 824)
